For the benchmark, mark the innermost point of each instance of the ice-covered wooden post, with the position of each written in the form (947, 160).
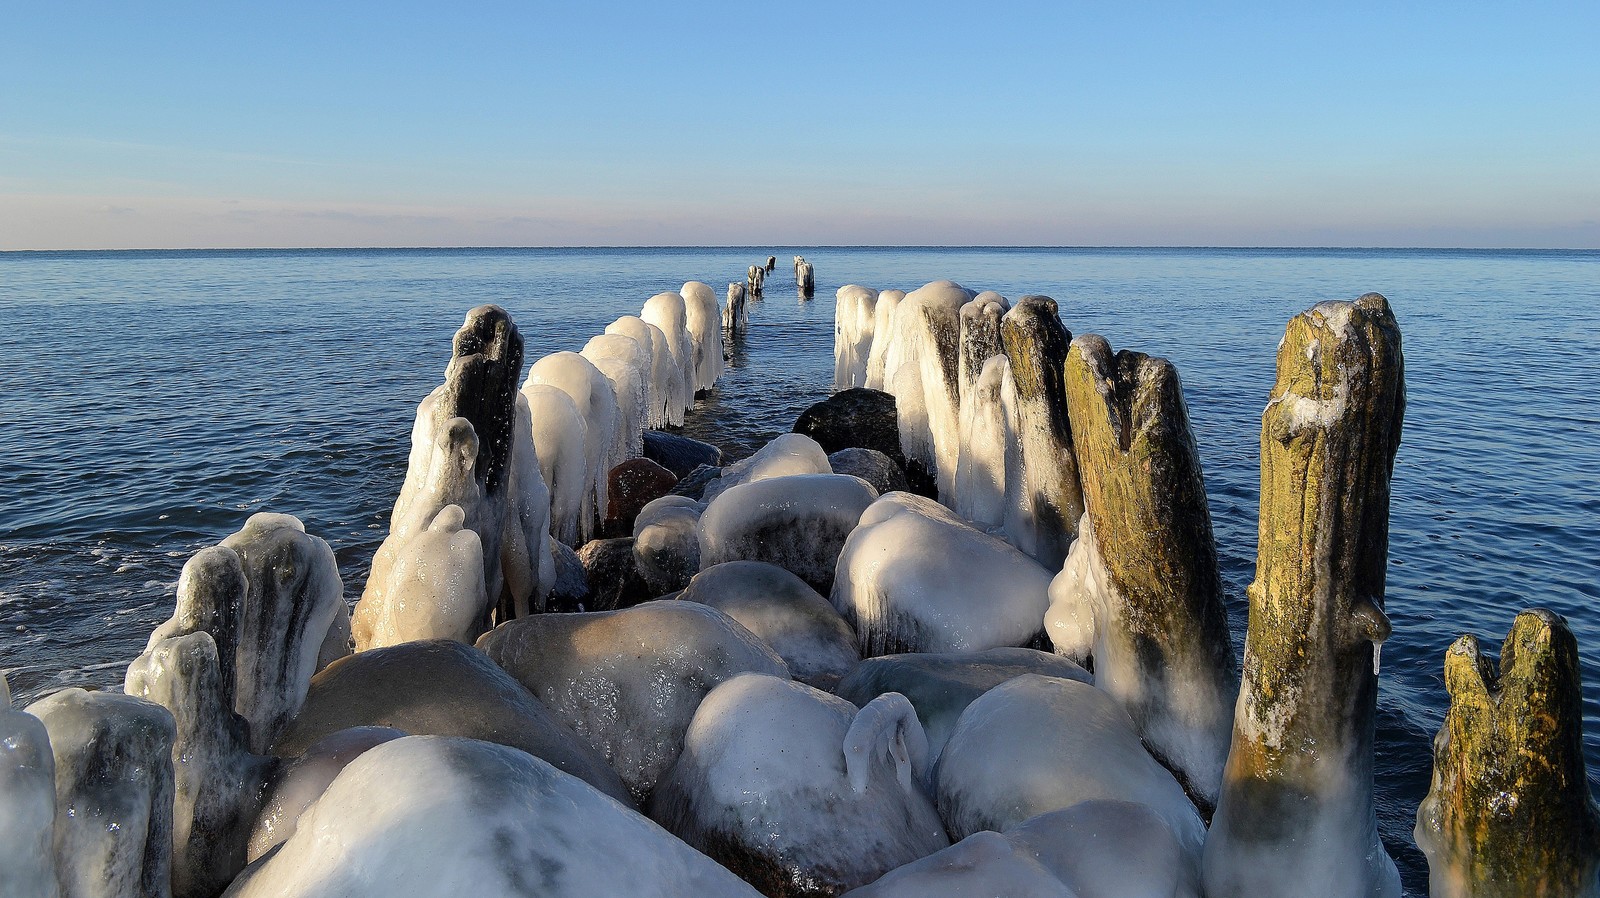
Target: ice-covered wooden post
(1043, 497)
(1161, 643)
(1296, 812)
(1510, 814)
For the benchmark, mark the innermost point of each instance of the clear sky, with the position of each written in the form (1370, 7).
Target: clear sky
(221, 124)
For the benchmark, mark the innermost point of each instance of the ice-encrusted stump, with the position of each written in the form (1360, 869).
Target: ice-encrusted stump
(913, 577)
(441, 688)
(629, 681)
(798, 791)
(853, 320)
(27, 804)
(656, 369)
(980, 336)
(295, 601)
(217, 781)
(1161, 644)
(735, 318)
(590, 391)
(113, 761)
(799, 523)
(1043, 497)
(923, 371)
(669, 312)
(1296, 804)
(883, 313)
(703, 321)
(441, 817)
(212, 591)
(620, 359)
(986, 445)
(1510, 814)
(784, 612)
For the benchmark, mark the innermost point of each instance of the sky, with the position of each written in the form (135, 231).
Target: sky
(590, 123)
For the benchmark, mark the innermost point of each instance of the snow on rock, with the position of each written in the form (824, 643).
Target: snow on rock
(785, 613)
(799, 790)
(27, 803)
(591, 392)
(704, 323)
(666, 543)
(439, 817)
(1036, 744)
(853, 321)
(629, 681)
(913, 577)
(798, 522)
(922, 370)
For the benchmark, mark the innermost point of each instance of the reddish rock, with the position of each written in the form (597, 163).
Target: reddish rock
(632, 485)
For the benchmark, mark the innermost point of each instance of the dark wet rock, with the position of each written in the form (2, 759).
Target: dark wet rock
(854, 418)
(613, 575)
(441, 688)
(631, 486)
(694, 485)
(872, 466)
(679, 454)
(571, 590)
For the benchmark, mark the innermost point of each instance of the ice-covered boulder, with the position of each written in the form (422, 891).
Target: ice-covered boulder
(612, 573)
(877, 469)
(439, 817)
(986, 449)
(113, 785)
(620, 359)
(984, 863)
(298, 783)
(1510, 812)
(294, 603)
(1043, 497)
(217, 782)
(799, 791)
(596, 402)
(940, 685)
(798, 522)
(922, 371)
(1288, 816)
(783, 612)
(853, 321)
(629, 681)
(783, 455)
(703, 321)
(666, 543)
(883, 313)
(1144, 567)
(27, 804)
(1036, 744)
(913, 577)
(443, 688)
(669, 312)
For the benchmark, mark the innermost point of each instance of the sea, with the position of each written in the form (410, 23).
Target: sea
(153, 400)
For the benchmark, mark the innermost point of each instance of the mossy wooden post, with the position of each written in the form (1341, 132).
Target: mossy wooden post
(1296, 809)
(1045, 501)
(1162, 645)
(1510, 814)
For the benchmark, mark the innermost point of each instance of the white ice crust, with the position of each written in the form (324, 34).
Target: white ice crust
(704, 322)
(854, 321)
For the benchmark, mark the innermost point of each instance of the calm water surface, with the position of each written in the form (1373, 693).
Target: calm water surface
(154, 400)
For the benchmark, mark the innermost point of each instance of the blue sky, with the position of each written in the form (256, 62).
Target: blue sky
(357, 124)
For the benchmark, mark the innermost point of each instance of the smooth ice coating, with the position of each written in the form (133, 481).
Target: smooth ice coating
(559, 435)
(434, 591)
(782, 456)
(1288, 816)
(703, 321)
(27, 804)
(441, 688)
(1043, 497)
(854, 318)
(1110, 849)
(922, 370)
(620, 359)
(1036, 744)
(669, 312)
(591, 392)
(785, 613)
(883, 315)
(294, 599)
(1510, 814)
(913, 577)
(797, 790)
(113, 782)
(217, 781)
(437, 817)
(983, 863)
(666, 543)
(629, 681)
(798, 523)
(986, 441)
(658, 369)
(299, 783)
(940, 686)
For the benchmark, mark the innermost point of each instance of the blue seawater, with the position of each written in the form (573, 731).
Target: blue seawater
(154, 400)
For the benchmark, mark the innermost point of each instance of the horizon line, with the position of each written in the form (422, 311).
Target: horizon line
(815, 246)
